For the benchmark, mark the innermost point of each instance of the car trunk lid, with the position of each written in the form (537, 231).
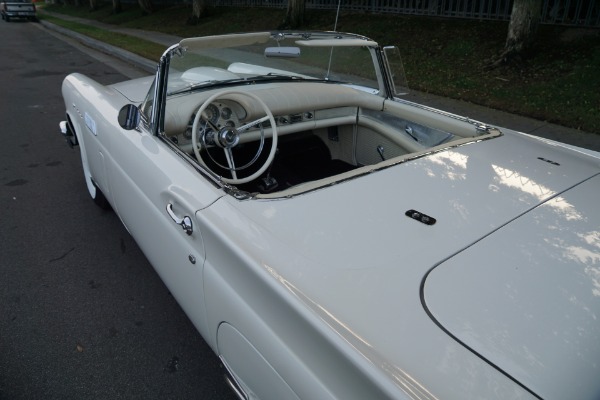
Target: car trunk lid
(527, 297)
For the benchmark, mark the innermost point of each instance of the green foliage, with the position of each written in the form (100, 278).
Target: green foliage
(558, 82)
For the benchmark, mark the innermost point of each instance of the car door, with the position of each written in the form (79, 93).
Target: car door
(154, 191)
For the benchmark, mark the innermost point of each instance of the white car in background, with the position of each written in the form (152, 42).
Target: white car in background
(330, 240)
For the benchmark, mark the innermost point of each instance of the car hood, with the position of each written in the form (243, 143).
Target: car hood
(134, 90)
(351, 254)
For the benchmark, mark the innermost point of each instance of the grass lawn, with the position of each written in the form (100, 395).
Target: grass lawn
(559, 81)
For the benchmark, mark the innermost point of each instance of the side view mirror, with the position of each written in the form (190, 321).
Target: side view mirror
(129, 117)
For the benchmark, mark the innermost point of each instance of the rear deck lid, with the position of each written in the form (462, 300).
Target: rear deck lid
(526, 298)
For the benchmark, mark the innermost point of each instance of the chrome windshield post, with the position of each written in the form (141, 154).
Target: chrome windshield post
(160, 89)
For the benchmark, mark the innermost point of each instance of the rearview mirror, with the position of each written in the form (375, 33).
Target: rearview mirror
(290, 52)
(129, 117)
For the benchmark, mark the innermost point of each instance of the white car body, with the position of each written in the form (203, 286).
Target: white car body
(463, 269)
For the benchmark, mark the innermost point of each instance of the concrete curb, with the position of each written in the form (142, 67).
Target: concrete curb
(124, 55)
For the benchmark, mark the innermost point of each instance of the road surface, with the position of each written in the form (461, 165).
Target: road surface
(82, 313)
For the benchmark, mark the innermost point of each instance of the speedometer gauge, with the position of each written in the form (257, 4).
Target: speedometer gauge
(211, 113)
(226, 113)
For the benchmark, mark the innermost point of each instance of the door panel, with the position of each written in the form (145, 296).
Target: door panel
(146, 176)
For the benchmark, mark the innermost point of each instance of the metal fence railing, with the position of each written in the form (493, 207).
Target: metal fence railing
(583, 13)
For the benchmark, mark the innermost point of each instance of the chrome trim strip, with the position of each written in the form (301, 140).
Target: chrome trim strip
(480, 126)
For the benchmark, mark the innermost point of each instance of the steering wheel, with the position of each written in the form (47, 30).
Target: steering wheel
(227, 137)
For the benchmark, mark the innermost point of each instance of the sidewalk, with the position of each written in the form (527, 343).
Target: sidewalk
(490, 116)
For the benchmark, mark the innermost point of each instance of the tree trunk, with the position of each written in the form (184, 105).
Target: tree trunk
(199, 10)
(93, 5)
(524, 21)
(116, 6)
(146, 6)
(294, 17)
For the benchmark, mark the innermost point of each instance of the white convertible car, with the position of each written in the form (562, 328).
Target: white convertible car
(330, 240)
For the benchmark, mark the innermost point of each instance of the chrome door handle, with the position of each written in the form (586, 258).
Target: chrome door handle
(185, 222)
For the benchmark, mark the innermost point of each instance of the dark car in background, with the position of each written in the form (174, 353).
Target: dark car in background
(22, 9)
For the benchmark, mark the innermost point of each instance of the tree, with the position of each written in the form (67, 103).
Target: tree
(93, 5)
(524, 21)
(146, 6)
(199, 10)
(294, 17)
(116, 6)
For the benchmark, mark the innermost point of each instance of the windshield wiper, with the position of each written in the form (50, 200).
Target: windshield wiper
(258, 78)
(284, 77)
(192, 87)
(214, 83)
(276, 77)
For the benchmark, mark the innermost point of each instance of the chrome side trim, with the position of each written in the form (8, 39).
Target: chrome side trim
(481, 127)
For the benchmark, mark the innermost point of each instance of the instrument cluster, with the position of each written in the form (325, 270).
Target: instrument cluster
(219, 114)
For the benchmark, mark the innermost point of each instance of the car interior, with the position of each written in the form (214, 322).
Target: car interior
(325, 132)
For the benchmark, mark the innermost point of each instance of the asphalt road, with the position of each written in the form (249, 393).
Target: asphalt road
(82, 313)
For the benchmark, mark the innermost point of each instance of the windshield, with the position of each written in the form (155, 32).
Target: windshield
(236, 59)
(280, 114)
